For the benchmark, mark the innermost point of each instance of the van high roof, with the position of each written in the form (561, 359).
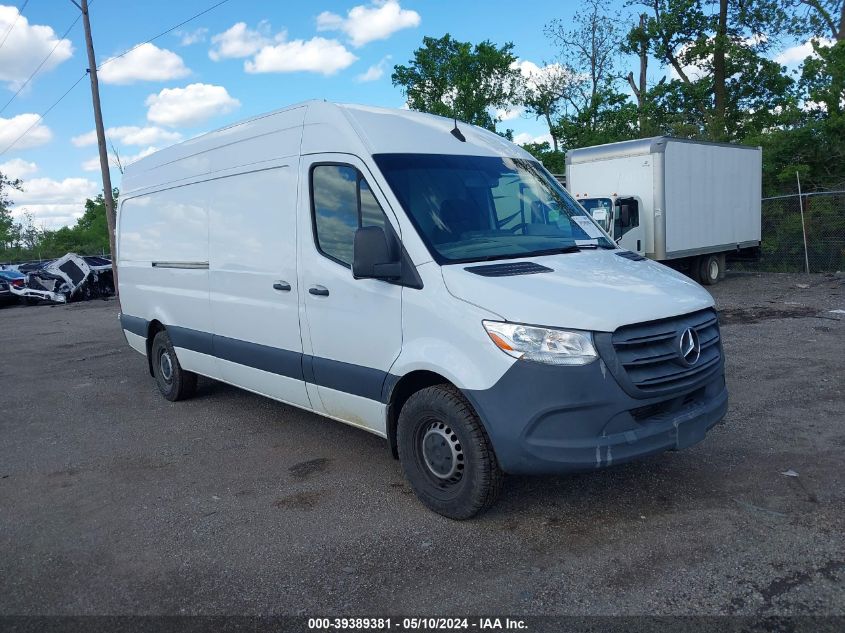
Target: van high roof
(313, 127)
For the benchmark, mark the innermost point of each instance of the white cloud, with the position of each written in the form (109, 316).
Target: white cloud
(54, 203)
(190, 105)
(536, 75)
(374, 72)
(47, 190)
(276, 54)
(796, 54)
(130, 135)
(187, 38)
(240, 41)
(524, 137)
(17, 168)
(317, 55)
(11, 129)
(366, 23)
(93, 163)
(26, 45)
(509, 113)
(148, 62)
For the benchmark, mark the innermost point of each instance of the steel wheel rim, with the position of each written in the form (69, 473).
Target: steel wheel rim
(165, 366)
(441, 452)
(713, 269)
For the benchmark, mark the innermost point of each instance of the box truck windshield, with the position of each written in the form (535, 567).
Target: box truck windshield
(601, 209)
(480, 208)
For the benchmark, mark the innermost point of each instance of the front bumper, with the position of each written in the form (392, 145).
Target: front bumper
(545, 419)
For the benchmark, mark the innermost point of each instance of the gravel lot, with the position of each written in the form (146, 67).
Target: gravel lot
(113, 500)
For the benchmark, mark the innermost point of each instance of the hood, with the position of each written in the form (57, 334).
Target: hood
(588, 290)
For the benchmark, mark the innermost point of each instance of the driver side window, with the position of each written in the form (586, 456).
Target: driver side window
(342, 202)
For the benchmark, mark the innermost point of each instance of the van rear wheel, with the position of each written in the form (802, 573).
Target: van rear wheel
(445, 453)
(173, 382)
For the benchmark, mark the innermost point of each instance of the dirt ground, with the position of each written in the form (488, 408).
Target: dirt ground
(113, 500)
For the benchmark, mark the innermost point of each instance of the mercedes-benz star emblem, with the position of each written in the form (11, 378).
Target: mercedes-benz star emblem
(690, 347)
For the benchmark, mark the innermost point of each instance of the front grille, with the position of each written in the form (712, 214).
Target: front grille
(670, 406)
(647, 354)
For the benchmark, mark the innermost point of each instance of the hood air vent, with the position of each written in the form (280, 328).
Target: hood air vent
(508, 270)
(634, 257)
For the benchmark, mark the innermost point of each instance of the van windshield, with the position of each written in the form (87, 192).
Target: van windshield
(479, 208)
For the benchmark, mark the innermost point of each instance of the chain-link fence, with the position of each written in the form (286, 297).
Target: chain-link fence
(782, 246)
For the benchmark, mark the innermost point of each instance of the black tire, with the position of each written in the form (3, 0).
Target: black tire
(173, 382)
(438, 431)
(710, 269)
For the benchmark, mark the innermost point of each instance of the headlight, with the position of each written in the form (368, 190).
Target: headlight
(544, 345)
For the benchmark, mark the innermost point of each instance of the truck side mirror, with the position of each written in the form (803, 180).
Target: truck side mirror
(624, 214)
(372, 257)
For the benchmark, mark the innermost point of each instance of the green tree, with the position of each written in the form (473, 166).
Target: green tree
(23, 240)
(459, 79)
(724, 82)
(7, 222)
(553, 160)
(543, 92)
(588, 51)
(810, 139)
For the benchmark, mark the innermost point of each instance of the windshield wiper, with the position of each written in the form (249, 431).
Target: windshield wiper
(595, 245)
(573, 248)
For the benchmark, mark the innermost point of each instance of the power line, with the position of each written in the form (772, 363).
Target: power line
(67, 92)
(152, 39)
(43, 61)
(45, 113)
(14, 22)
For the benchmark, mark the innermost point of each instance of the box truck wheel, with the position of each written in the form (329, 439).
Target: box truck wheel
(445, 453)
(711, 269)
(173, 382)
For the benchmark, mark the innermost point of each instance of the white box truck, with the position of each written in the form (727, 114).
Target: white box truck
(426, 282)
(686, 203)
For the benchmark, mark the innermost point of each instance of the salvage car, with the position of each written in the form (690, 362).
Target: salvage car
(10, 279)
(69, 278)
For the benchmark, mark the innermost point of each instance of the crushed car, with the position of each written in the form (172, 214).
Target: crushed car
(69, 278)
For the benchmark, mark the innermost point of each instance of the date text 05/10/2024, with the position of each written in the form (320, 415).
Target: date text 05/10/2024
(416, 624)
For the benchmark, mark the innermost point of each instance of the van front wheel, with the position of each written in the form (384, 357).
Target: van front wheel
(445, 453)
(173, 382)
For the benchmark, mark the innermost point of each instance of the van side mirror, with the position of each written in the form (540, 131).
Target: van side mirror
(372, 257)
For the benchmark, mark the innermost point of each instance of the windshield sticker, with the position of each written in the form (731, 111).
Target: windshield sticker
(587, 225)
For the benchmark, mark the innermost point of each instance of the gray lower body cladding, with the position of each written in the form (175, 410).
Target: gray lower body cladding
(540, 418)
(545, 419)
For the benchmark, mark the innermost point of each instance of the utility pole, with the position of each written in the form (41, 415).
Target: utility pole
(101, 136)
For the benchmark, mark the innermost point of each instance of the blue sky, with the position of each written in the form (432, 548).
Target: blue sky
(240, 59)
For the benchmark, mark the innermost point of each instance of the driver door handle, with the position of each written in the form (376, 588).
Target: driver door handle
(319, 291)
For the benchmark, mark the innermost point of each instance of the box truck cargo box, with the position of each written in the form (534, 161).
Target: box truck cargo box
(682, 202)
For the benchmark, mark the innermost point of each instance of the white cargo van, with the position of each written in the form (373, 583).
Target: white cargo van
(688, 203)
(426, 282)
